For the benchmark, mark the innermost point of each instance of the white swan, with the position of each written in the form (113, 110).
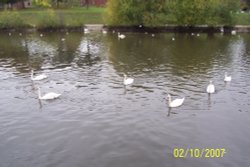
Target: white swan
(233, 32)
(121, 36)
(104, 31)
(48, 96)
(210, 88)
(37, 78)
(127, 81)
(176, 102)
(227, 78)
(86, 31)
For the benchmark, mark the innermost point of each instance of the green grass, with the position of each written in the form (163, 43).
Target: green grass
(70, 17)
(242, 18)
(47, 18)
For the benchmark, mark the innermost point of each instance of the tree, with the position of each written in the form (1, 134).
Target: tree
(161, 12)
(42, 3)
(135, 12)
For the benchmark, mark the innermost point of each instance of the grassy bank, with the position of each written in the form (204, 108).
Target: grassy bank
(242, 18)
(72, 17)
(49, 18)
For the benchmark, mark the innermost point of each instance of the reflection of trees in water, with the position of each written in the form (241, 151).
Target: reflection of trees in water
(14, 52)
(140, 52)
(65, 49)
(87, 53)
(34, 51)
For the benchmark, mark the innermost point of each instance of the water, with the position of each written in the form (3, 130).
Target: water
(98, 123)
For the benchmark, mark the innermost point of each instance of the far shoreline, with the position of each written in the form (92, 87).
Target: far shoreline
(142, 29)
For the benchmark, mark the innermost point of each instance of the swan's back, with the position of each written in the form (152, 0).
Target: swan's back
(39, 77)
(121, 36)
(210, 88)
(128, 81)
(50, 96)
(227, 78)
(176, 102)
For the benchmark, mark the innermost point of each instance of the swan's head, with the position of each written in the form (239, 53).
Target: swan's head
(169, 96)
(210, 82)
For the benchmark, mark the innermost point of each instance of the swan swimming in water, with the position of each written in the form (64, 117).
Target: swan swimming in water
(233, 32)
(227, 78)
(37, 78)
(104, 31)
(86, 30)
(127, 81)
(176, 102)
(121, 36)
(48, 96)
(210, 88)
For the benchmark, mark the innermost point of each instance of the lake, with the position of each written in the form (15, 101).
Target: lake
(97, 122)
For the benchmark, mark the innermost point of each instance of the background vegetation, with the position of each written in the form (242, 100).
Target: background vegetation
(180, 12)
(64, 13)
(49, 18)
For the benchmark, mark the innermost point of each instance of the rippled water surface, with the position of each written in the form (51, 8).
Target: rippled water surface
(98, 123)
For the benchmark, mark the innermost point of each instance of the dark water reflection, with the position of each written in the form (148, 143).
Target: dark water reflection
(98, 123)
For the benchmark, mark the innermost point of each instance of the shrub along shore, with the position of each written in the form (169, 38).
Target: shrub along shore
(75, 19)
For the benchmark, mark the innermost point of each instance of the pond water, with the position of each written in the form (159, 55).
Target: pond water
(97, 122)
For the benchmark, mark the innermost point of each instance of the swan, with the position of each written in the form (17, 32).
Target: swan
(233, 32)
(173, 39)
(227, 78)
(127, 81)
(104, 31)
(48, 96)
(121, 36)
(86, 30)
(37, 78)
(176, 102)
(210, 88)
(222, 30)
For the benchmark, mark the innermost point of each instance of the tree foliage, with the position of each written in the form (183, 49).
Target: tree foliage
(160, 12)
(42, 3)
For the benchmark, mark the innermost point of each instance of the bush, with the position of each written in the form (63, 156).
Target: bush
(11, 19)
(49, 19)
(161, 12)
(42, 3)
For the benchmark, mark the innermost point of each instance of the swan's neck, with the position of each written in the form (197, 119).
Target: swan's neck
(39, 94)
(169, 100)
(125, 77)
(32, 75)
